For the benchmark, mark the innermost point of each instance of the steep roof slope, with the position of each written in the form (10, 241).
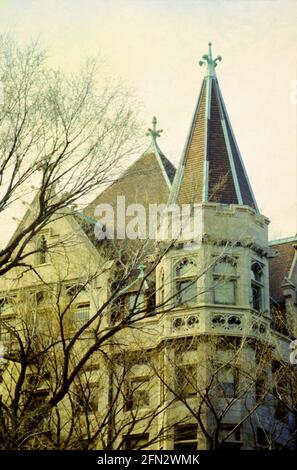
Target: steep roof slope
(281, 265)
(147, 181)
(211, 168)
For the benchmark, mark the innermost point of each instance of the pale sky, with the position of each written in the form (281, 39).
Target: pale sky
(154, 46)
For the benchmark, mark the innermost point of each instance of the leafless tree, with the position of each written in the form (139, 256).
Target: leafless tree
(61, 137)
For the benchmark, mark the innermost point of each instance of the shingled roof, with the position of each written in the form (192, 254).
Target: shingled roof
(211, 168)
(147, 181)
(280, 265)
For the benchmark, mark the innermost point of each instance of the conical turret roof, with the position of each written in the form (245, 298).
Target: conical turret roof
(211, 168)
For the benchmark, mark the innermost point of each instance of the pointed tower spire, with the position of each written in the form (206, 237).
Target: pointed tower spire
(211, 168)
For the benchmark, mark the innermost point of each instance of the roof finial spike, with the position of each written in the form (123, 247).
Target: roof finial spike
(210, 62)
(209, 51)
(154, 133)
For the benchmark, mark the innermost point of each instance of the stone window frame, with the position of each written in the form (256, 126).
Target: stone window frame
(225, 277)
(183, 278)
(186, 437)
(143, 376)
(257, 285)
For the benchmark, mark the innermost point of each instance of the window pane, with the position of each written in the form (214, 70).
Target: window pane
(185, 432)
(136, 441)
(230, 430)
(138, 393)
(227, 382)
(224, 268)
(186, 291)
(86, 398)
(185, 268)
(256, 272)
(82, 313)
(132, 299)
(224, 293)
(186, 380)
(185, 437)
(256, 297)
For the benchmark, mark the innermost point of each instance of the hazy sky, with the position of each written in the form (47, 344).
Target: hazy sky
(155, 46)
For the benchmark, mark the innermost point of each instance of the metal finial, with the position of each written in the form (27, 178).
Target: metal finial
(154, 132)
(209, 61)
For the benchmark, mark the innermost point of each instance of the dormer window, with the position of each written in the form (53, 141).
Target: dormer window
(256, 300)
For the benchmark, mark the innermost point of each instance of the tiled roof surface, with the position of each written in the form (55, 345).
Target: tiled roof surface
(191, 172)
(211, 168)
(279, 267)
(142, 183)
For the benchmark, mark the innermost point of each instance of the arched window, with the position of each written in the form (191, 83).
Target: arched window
(225, 266)
(42, 250)
(256, 274)
(224, 281)
(185, 273)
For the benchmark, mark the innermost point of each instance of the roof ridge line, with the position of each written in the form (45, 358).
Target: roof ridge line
(281, 241)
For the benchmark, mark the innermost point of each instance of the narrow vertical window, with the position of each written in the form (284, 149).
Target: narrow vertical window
(225, 281)
(185, 282)
(256, 300)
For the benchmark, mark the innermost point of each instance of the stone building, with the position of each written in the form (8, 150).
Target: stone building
(199, 355)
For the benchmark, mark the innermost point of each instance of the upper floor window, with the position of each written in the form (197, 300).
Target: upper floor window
(185, 437)
(227, 381)
(256, 272)
(256, 300)
(224, 281)
(138, 387)
(138, 393)
(8, 333)
(186, 380)
(42, 250)
(86, 394)
(136, 441)
(185, 282)
(225, 266)
(229, 435)
(82, 313)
